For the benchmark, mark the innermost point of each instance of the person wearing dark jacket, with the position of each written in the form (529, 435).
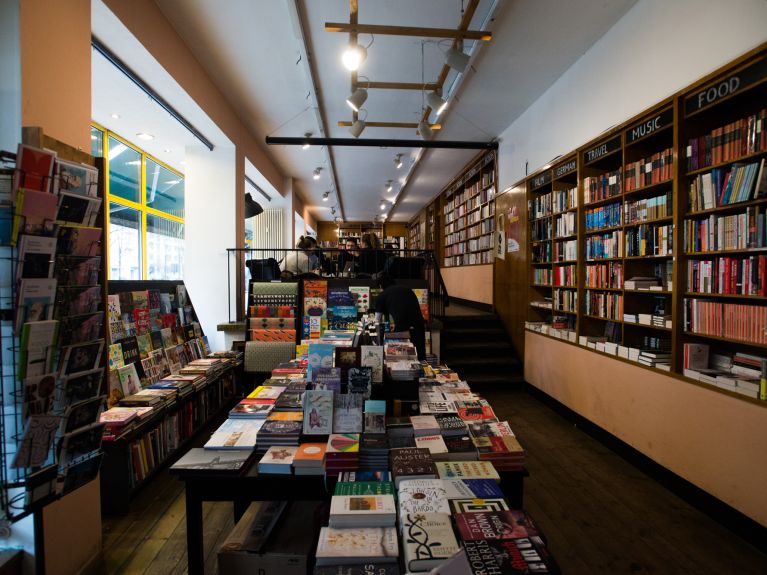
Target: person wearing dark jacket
(401, 304)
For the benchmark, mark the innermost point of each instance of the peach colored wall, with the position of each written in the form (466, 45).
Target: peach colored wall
(56, 95)
(473, 283)
(56, 69)
(711, 439)
(147, 22)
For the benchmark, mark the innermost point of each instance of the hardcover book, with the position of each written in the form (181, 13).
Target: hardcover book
(235, 434)
(364, 488)
(360, 380)
(472, 488)
(327, 378)
(477, 505)
(278, 459)
(508, 524)
(362, 511)
(422, 496)
(347, 413)
(522, 556)
(372, 356)
(467, 470)
(411, 463)
(318, 412)
(352, 546)
(428, 540)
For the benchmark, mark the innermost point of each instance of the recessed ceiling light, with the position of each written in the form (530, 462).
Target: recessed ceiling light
(144, 136)
(116, 116)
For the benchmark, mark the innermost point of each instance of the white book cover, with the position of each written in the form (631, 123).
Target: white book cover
(422, 496)
(424, 424)
(434, 443)
(129, 379)
(35, 300)
(372, 356)
(362, 505)
(235, 434)
(350, 546)
(428, 540)
(282, 455)
(36, 257)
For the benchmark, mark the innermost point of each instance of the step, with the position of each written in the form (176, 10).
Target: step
(474, 333)
(494, 346)
(515, 381)
(475, 365)
(470, 320)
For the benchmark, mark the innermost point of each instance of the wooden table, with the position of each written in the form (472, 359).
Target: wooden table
(244, 485)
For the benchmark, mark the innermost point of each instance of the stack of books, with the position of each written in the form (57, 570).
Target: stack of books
(374, 451)
(403, 370)
(411, 463)
(278, 460)
(342, 453)
(278, 432)
(236, 433)
(310, 459)
(252, 408)
(495, 442)
(362, 511)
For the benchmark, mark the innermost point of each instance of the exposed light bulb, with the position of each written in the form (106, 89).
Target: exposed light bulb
(354, 56)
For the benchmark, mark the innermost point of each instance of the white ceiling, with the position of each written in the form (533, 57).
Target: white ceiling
(256, 52)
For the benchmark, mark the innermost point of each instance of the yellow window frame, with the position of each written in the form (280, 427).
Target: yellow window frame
(141, 206)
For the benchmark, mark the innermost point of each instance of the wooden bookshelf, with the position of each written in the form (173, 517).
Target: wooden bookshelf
(676, 193)
(468, 210)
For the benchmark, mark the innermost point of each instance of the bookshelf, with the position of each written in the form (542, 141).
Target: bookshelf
(414, 235)
(468, 209)
(653, 236)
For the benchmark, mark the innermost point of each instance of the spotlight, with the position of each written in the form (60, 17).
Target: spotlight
(116, 116)
(144, 136)
(358, 98)
(389, 186)
(354, 56)
(307, 145)
(325, 196)
(356, 128)
(436, 103)
(252, 207)
(398, 161)
(383, 206)
(316, 173)
(425, 130)
(457, 60)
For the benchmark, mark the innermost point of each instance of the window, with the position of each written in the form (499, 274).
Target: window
(146, 211)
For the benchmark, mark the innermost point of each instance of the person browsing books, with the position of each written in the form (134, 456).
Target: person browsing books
(349, 254)
(401, 304)
(303, 259)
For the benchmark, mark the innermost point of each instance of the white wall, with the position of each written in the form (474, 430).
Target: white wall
(656, 49)
(210, 180)
(10, 75)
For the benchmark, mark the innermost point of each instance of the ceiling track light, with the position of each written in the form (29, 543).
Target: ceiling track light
(307, 145)
(436, 103)
(354, 56)
(398, 161)
(316, 173)
(356, 128)
(457, 60)
(389, 186)
(325, 196)
(383, 206)
(357, 98)
(425, 130)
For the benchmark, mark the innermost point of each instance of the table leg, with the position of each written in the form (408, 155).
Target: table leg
(195, 552)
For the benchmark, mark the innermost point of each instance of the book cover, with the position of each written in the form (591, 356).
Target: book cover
(434, 443)
(428, 540)
(343, 317)
(278, 458)
(39, 394)
(80, 357)
(508, 524)
(81, 414)
(35, 300)
(36, 257)
(80, 328)
(343, 443)
(364, 488)
(372, 356)
(35, 214)
(78, 210)
(34, 168)
(360, 379)
(77, 300)
(349, 546)
(327, 378)
(79, 387)
(318, 412)
(320, 355)
(422, 496)
(362, 510)
(518, 556)
(477, 505)
(472, 488)
(411, 461)
(235, 434)
(78, 241)
(80, 443)
(467, 470)
(129, 379)
(75, 178)
(310, 455)
(347, 413)
(361, 296)
(78, 271)
(366, 475)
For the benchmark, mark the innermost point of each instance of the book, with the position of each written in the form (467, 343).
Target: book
(35, 214)
(360, 380)
(36, 257)
(36, 297)
(422, 496)
(375, 416)
(466, 470)
(362, 511)
(365, 475)
(424, 425)
(477, 505)
(343, 443)
(508, 524)
(364, 487)
(80, 357)
(318, 412)
(352, 546)
(327, 378)
(38, 341)
(78, 241)
(427, 540)
(411, 463)
(235, 434)
(77, 209)
(129, 379)
(34, 168)
(527, 555)
(372, 356)
(472, 488)
(278, 459)
(434, 443)
(347, 413)
(366, 568)
(39, 394)
(81, 414)
(309, 457)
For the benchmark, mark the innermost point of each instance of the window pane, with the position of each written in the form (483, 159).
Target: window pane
(97, 142)
(124, 171)
(164, 248)
(124, 243)
(164, 189)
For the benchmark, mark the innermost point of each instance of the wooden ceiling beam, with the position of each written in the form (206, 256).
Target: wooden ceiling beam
(400, 86)
(346, 124)
(384, 30)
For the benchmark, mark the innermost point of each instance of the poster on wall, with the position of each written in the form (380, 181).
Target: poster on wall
(512, 229)
(500, 238)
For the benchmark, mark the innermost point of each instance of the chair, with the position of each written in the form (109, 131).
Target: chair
(263, 270)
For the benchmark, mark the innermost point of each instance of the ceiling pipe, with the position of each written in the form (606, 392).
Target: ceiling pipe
(381, 143)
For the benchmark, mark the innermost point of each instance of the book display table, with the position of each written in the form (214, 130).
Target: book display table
(232, 476)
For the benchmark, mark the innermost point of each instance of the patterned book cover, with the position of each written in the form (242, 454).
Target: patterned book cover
(318, 412)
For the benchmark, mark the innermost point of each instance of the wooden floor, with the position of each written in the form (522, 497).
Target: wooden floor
(600, 514)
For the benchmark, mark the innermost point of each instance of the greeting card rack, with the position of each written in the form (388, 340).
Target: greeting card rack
(50, 436)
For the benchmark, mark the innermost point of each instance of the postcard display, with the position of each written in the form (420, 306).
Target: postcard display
(163, 383)
(52, 322)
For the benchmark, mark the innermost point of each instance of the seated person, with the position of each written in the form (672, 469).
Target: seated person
(372, 258)
(303, 260)
(350, 253)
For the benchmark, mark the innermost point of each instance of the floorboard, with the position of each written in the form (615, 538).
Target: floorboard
(600, 514)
